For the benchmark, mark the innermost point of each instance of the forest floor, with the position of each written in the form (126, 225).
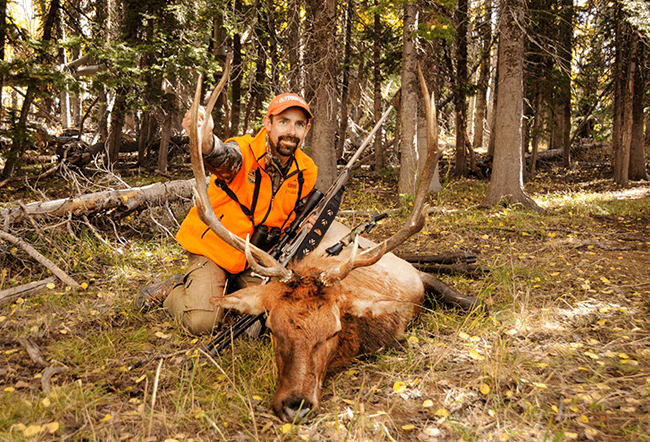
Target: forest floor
(564, 353)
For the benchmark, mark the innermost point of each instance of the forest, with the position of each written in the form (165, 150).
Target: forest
(541, 194)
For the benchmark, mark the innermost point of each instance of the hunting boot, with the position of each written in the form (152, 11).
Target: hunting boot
(154, 295)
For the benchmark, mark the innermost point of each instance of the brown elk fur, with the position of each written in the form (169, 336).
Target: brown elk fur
(318, 328)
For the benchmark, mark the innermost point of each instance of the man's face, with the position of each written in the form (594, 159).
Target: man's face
(287, 130)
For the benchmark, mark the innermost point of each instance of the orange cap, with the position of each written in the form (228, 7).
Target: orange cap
(285, 101)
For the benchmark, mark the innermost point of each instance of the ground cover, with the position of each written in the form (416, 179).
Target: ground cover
(563, 354)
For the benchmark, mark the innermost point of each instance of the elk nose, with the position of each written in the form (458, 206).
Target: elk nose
(296, 409)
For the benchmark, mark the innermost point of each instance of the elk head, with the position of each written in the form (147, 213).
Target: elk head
(314, 308)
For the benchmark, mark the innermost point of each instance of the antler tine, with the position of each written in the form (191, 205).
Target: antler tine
(268, 265)
(416, 219)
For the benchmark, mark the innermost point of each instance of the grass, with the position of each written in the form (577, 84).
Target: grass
(563, 354)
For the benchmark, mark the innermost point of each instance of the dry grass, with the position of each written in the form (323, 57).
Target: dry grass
(563, 355)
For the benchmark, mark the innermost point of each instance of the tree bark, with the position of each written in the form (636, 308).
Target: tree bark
(506, 184)
(343, 118)
(322, 85)
(377, 78)
(408, 114)
(637, 169)
(460, 100)
(484, 76)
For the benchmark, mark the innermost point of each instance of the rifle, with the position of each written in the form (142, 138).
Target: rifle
(300, 238)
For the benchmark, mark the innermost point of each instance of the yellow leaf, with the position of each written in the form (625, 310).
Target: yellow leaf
(50, 285)
(474, 355)
(141, 378)
(463, 335)
(33, 430)
(162, 335)
(604, 310)
(592, 355)
(485, 389)
(540, 385)
(9, 389)
(84, 285)
(623, 356)
(106, 418)
(46, 402)
(427, 404)
(542, 365)
(257, 398)
(582, 418)
(442, 413)
(555, 409)
(399, 387)
(571, 436)
(285, 428)
(414, 340)
(408, 427)
(605, 280)
(12, 351)
(52, 427)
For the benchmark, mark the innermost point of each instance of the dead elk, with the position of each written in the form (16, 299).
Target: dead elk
(322, 312)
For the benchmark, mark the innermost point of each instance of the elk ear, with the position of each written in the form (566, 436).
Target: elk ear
(249, 300)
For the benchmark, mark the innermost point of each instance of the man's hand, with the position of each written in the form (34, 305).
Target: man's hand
(205, 129)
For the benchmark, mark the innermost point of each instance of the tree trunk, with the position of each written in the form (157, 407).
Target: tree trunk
(565, 57)
(506, 183)
(637, 170)
(235, 80)
(293, 46)
(408, 104)
(484, 77)
(622, 164)
(377, 78)
(115, 132)
(460, 100)
(343, 119)
(322, 84)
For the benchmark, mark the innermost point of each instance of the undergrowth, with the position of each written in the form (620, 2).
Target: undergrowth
(562, 355)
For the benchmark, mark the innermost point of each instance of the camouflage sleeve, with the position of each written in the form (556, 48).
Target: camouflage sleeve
(225, 160)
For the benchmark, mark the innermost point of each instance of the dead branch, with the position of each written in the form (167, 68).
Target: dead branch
(47, 375)
(25, 290)
(40, 258)
(33, 351)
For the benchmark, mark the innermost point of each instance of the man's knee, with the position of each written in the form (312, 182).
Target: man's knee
(200, 322)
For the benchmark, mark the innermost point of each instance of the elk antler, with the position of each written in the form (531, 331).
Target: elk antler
(267, 266)
(416, 219)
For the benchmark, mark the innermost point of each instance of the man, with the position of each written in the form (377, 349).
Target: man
(257, 185)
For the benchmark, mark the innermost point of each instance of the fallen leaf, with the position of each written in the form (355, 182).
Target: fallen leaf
(33, 430)
(427, 404)
(285, 428)
(408, 427)
(485, 389)
(399, 387)
(52, 427)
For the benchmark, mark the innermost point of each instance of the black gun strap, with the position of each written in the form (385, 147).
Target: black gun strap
(316, 234)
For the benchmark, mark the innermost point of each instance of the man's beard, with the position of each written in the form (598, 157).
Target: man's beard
(283, 149)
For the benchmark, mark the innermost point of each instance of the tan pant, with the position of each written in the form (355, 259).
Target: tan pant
(189, 302)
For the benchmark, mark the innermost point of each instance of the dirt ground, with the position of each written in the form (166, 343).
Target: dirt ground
(564, 353)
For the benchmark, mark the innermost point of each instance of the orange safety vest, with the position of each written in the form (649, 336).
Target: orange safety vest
(246, 202)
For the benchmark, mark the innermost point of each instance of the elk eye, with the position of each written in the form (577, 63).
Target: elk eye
(334, 335)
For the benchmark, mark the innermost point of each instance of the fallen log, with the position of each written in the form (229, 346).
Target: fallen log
(442, 258)
(25, 290)
(453, 269)
(125, 200)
